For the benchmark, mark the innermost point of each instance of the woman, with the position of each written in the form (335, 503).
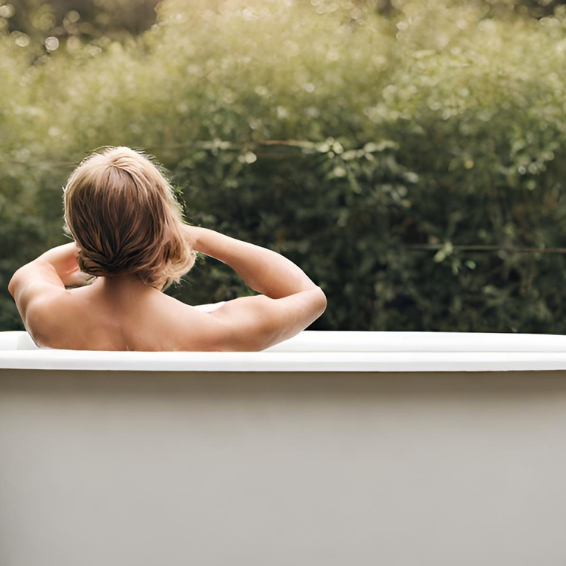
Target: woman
(130, 244)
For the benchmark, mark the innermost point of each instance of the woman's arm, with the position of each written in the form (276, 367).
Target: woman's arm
(263, 270)
(63, 259)
(38, 285)
(289, 302)
(56, 267)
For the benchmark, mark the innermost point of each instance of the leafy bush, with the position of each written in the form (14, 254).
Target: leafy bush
(410, 163)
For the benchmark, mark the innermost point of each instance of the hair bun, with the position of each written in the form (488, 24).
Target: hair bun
(95, 264)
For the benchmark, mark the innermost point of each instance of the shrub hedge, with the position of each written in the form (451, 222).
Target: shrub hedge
(412, 163)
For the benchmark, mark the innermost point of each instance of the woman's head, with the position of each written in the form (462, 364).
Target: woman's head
(124, 217)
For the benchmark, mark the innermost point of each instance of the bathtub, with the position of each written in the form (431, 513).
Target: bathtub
(332, 448)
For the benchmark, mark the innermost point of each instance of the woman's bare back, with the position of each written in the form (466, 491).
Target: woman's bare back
(132, 317)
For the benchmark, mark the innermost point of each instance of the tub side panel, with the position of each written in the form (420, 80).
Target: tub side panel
(282, 468)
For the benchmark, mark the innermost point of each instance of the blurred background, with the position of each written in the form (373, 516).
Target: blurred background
(407, 154)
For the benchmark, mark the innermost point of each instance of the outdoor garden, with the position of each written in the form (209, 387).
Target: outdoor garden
(407, 154)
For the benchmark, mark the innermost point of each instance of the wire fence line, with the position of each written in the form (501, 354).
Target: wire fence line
(485, 248)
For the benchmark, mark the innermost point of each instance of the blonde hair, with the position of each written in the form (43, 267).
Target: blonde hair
(125, 218)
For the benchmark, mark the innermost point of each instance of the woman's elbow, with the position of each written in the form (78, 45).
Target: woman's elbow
(320, 301)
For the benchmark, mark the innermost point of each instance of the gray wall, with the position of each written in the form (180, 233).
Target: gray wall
(120, 469)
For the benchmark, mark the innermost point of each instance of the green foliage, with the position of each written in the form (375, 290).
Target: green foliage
(409, 163)
(71, 22)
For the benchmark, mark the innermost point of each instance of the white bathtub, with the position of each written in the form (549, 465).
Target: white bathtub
(333, 448)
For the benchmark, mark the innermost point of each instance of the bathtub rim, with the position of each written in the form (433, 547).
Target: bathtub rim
(388, 352)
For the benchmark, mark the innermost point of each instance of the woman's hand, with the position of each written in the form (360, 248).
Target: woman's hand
(64, 260)
(192, 234)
